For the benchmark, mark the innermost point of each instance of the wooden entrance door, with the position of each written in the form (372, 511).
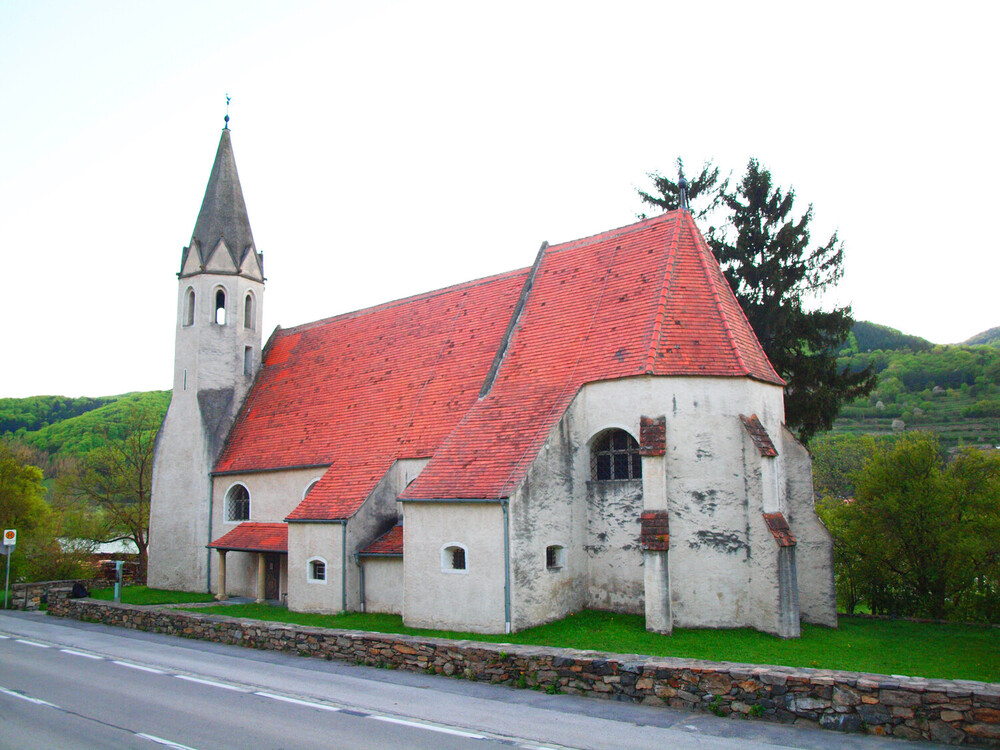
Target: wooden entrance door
(272, 576)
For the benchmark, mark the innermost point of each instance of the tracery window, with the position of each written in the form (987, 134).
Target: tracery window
(615, 455)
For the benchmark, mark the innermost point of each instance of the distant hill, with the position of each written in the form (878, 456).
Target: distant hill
(79, 433)
(870, 337)
(988, 338)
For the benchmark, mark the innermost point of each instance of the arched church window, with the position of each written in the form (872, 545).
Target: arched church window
(248, 316)
(615, 455)
(220, 306)
(238, 503)
(189, 307)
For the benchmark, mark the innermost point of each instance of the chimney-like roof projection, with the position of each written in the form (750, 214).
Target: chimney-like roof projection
(354, 393)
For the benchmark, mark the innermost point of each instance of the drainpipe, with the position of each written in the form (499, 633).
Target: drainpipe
(361, 574)
(343, 566)
(208, 568)
(506, 566)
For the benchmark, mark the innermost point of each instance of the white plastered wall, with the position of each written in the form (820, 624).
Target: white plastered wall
(384, 584)
(436, 597)
(273, 495)
(711, 487)
(814, 548)
(208, 359)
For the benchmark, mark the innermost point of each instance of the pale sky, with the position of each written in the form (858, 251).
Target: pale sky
(389, 148)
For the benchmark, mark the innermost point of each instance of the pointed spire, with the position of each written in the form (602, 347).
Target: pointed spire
(223, 214)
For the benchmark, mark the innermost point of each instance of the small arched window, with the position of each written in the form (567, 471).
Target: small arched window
(316, 570)
(220, 306)
(454, 558)
(615, 455)
(248, 314)
(189, 307)
(238, 503)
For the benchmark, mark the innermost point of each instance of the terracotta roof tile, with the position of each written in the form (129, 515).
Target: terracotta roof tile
(778, 527)
(358, 391)
(757, 432)
(255, 537)
(390, 543)
(645, 299)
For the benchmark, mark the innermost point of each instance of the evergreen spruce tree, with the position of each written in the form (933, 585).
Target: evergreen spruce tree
(767, 258)
(704, 190)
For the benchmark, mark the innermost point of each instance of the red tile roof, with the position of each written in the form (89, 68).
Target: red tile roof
(647, 299)
(390, 543)
(778, 527)
(758, 434)
(358, 391)
(255, 537)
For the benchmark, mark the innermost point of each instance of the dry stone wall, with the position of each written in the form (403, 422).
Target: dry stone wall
(947, 711)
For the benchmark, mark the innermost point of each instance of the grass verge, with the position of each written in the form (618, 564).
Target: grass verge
(144, 595)
(950, 651)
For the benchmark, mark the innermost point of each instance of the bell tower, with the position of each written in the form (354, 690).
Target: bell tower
(217, 353)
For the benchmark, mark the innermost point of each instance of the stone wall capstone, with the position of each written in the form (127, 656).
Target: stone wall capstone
(947, 711)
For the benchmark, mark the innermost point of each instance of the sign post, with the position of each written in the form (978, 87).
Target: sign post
(9, 541)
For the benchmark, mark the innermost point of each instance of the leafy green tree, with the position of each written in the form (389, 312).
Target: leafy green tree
(115, 480)
(23, 507)
(920, 536)
(767, 256)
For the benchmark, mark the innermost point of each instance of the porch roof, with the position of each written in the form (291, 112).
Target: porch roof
(254, 537)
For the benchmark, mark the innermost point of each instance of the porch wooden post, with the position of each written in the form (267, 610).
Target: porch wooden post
(261, 575)
(221, 593)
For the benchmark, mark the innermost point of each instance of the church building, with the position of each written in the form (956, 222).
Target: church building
(598, 430)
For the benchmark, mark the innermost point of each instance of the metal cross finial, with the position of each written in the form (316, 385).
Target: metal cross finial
(227, 111)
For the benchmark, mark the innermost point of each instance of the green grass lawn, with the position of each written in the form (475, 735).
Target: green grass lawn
(143, 595)
(885, 647)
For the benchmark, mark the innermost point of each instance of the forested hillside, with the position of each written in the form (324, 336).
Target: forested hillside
(953, 391)
(29, 414)
(89, 423)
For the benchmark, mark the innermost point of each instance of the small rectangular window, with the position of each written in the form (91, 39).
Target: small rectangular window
(247, 360)
(555, 557)
(318, 570)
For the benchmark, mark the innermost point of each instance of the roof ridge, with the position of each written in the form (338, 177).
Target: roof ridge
(668, 277)
(701, 246)
(557, 404)
(309, 325)
(610, 233)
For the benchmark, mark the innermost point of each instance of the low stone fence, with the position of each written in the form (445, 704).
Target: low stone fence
(30, 595)
(948, 711)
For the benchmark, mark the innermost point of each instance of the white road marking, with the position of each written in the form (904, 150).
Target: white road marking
(430, 727)
(32, 643)
(139, 667)
(162, 741)
(296, 701)
(4, 637)
(80, 653)
(210, 682)
(692, 728)
(36, 701)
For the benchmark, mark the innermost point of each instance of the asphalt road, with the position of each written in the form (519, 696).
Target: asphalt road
(66, 684)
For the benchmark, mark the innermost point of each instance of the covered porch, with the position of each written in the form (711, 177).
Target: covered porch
(267, 544)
